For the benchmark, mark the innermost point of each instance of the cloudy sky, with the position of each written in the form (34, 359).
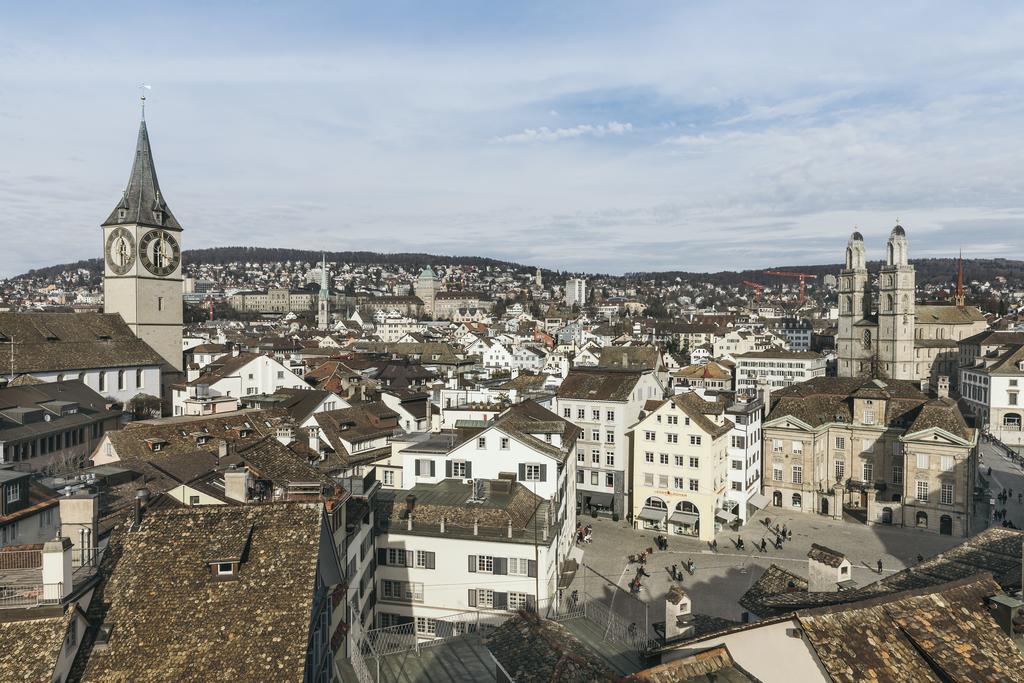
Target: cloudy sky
(582, 136)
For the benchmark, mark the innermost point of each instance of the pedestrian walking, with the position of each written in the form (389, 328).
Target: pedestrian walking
(879, 566)
(674, 573)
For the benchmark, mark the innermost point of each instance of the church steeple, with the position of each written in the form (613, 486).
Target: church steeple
(142, 202)
(960, 300)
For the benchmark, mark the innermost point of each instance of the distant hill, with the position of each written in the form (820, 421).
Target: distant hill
(929, 271)
(222, 255)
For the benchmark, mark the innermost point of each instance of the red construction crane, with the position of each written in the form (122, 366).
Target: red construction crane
(758, 288)
(803, 277)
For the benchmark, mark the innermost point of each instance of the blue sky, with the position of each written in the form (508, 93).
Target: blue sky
(582, 136)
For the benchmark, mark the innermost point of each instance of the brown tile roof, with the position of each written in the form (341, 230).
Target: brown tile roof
(820, 553)
(30, 648)
(270, 459)
(629, 357)
(543, 651)
(698, 409)
(947, 315)
(598, 384)
(996, 551)
(73, 341)
(714, 665)
(525, 420)
(356, 424)
(830, 399)
(943, 633)
(171, 621)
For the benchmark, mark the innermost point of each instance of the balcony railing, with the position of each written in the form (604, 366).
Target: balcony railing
(30, 595)
(21, 559)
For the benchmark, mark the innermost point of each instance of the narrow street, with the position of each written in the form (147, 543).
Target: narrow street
(1006, 476)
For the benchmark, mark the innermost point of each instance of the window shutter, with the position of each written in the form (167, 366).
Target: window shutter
(500, 600)
(472, 597)
(448, 469)
(410, 558)
(430, 559)
(543, 472)
(472, 563)
(433, 468)
(382, 557)
(531, 603)
(419, 467)
(522, 472)
(501, 565)
(469, 470)
(531, 568)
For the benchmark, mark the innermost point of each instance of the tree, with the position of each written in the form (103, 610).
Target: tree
(144, 406)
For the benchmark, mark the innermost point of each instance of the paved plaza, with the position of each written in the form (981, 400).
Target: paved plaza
(722, 577)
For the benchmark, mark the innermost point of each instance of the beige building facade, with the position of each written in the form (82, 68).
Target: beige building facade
(879, 446)
(679, 466)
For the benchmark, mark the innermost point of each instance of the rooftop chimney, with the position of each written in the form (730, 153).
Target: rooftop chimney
(236, 484)
(678, 614)
(57, 570)
(141, 498)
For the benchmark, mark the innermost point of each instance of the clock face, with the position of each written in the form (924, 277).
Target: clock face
(120, 251)
(159, 252)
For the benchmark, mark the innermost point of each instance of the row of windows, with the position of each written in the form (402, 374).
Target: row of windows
(678, 460)
(595, 414)
(16, 452)
(402, 591)
(595, 457)
(670, 437)
(595, 478)
(678, 483)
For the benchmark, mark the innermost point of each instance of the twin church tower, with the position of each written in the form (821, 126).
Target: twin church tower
(142, 259)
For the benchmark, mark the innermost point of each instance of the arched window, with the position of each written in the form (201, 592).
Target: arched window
(60, 377)
(922, 518)
(777, 499)
(888, 302)
(867, 339)
(686, 506)
(120, 380)
(847, 304)
(655, 502)
(892, 253)
(1011, 420)
(798, 501)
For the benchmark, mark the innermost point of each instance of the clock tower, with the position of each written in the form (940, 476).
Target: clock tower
(142, 259)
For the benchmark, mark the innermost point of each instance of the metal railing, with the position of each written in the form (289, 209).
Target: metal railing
(404, 637)
(21, 559)
(31, 594)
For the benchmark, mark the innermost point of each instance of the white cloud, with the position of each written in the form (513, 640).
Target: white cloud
(545, 134)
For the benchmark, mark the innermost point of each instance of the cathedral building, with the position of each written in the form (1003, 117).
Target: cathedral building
(142, 279)
(884, 333)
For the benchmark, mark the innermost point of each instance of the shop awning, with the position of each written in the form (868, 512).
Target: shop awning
(652, 514)
(684, 518)
(598, 498)
(758, 500)
(727, 517)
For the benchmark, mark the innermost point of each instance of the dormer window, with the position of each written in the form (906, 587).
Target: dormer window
(225, 569)
(121, 213)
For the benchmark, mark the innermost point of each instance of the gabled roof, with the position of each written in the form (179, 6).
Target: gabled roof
(599, 384)
(270, 459)
(72, 341)
(171, 621)
(142, 197)
(30, 648)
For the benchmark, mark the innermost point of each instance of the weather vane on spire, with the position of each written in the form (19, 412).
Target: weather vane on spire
(143, 88)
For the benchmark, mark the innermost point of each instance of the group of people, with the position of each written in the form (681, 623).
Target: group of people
(676, 575)
(1000, 514)
(584, 534)
(661, 542)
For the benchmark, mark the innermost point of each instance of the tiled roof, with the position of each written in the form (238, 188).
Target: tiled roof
(30, 648)
(714, 665)
(819, 553)
(538, 650)
(947, 315)
(526, 419)
(598, 384)
(830, 399)
(996, 550)
(72, 341)
(697, 409)
(629, 357)
(272, 460)
(172, 621)
(943, 633)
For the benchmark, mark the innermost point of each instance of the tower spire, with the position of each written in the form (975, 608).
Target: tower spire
(960, 299)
